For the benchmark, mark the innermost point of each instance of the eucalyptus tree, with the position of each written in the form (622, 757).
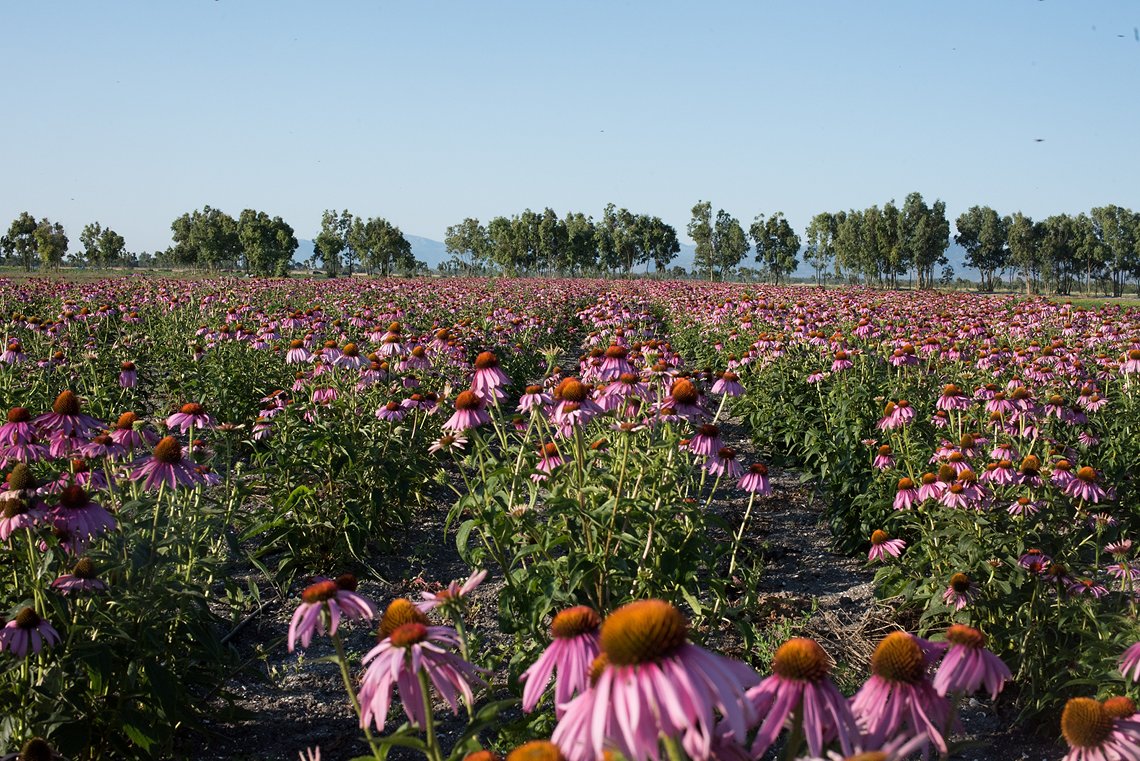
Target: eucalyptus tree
(982, 233)
(467, 241)
(267, 243)
(51, 243)
(1024, 238)
(380, 245)
(820, 239)
(19, 243)
(1119, 232)
(777, 245)
(924, 235)
(581, 251)
(700, 229)
(206, 238)
(730, 243)
(102, 247)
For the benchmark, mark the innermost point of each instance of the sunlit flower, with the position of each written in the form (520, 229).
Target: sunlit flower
(67, 418)
(166, 466)
(333, 598)
(27, 634)
(755, 479)
(960, 591)
(1093, 734)
(192, 415)
(79, 515)
(573, 648)
(453, 596)
(968, 665)
(470, 412)
(882, 545)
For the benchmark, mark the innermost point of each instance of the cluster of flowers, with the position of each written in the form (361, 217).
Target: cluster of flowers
(633, 682)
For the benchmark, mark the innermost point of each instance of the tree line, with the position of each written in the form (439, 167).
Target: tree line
(877, 245)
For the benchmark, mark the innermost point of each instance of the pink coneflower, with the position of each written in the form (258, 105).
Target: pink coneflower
(815, 378)
(651, 683)
(165, 466)
(534, 398)
(470, 412)
(1023, 506)
(128, 375)
(574, 407)
(1119, 549)
(755, 480)
(1029, 473)
(1130, 663)
(968, 665)
(1087, 587)
(882, 545)
(192, 415)
(13, 353)
(548, 459)
(448, 443)
(413, 651)
(350, 358)
(17, 512)
(800, 686)
(706, 441)
(1034, 560)
(684, 399)
(614, 363)
(126, 434)
(18, 429)
(1131, 362)
(1095, 734)
(297, 353)
(959, 592)
(884, 458)
(67, 418)
(841, 362)
(83, 578)
(417, 359)
(574, 647)
(451, 598)
(331, 598)
(1084, 486)
(898, 700)
(391, 412)
(27, 633)
(723, 463)
(896, 415)
(952, 398)
(728, 384)
(489, 377)
(80, 516)
(103, 445)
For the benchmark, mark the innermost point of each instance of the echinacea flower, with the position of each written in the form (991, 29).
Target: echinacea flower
(191, 415)
(470, 412)
(79, 515)
(723, 463)
(684, 399)
(27, 633)
(448, 443)
(755, 479)
(166, 466)
(898, 700)
(652, 684)
(968, 665)
(728, 384)
(410, 657)
(906, 495)
(574, 646)
(67, 418)
(882, 545)
(800, 687)
(960, 591)
(453, 596)
(333, 598)
(83, 578)
(1084, 486)
(1094, 734)
(706, 440)
(128, 375)
(1130, 663)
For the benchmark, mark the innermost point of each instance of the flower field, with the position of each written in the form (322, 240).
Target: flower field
(179, 453)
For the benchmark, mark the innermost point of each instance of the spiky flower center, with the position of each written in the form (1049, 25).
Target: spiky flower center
(1087, 474)
(10, 508)
(84, 569)
(1030, 465)
(967, 636)
(574, 622)
(884, 450)
(406, 635)
(467, 400)
(871, 755)
(36, 749)
(19, 415)
(801, 658)
(532, 390)
(726, 453)
(168, 451)
(296, 343)
(950, 390)
(878, 536)
(319, 592)
(67, 403)
(536, 750)
(898, 658)
(127, 366)
(399, 612)
(628, 379)
(1119, 706)
(73, 497)
(486, 360)
(1085, 723)
(643, 632)
(889, 409)
(27, 618)
(708, 430)
(572, 390)
(549, 450)
(758, 468)
(684, 392)
(597, 666)
(905, 483)
(947, 474)
(21, 478)
(960, 583)
(346, 581)
(193, 408)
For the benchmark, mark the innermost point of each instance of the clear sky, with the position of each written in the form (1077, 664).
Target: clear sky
(132, 113)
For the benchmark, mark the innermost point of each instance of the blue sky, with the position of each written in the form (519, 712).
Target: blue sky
(131, 113)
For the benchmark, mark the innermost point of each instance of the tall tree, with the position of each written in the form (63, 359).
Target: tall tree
(849, 245)
(19, 244)
(617, 240)
(820, 236)
(1119, 232)
(729, 241)
(51, 243)
(983, 234)
(656, 242)
(206, 238)
(467, 242)
(924, 235)
(381, 245)
(1060, 240)
(581, 244)
(102, 247)
(777, 245)
(332, 240)
(700, 229)
(1024, 238)
(553, 240)
(267, 243)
